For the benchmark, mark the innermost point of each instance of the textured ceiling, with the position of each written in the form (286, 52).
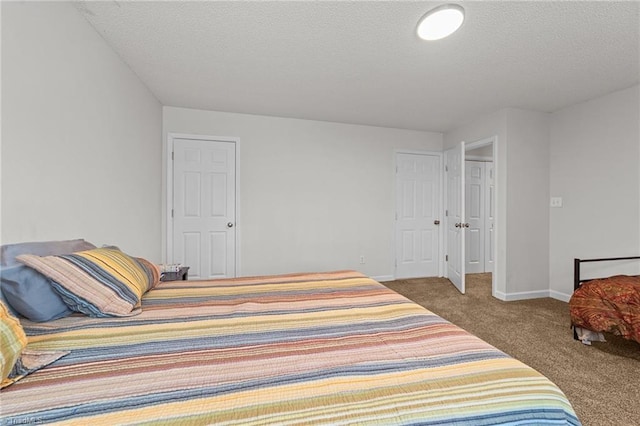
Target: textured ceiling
(361, 62)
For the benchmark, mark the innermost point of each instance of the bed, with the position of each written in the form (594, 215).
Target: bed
(610, 304)
(323, 348)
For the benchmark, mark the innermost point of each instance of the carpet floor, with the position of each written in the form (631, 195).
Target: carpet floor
(602, 381)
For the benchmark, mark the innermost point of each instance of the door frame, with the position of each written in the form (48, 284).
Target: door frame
(440, 156)
(168, 204)
(497, 273)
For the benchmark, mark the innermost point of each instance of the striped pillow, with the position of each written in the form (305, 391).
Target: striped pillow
(12, 341)
(101, 282)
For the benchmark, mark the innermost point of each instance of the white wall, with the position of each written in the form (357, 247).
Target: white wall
(595, 168)
(314, 195)
(527, 203)
(81, 135)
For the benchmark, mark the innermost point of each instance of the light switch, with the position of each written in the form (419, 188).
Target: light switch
(556, 201)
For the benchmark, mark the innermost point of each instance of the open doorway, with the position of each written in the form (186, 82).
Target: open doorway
(480, 213)
(479, 210)
(456, 212)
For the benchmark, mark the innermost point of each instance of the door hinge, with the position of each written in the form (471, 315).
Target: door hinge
(446, 257)
(446, 212)
(172, 156)
(172, 213)
(446, 168)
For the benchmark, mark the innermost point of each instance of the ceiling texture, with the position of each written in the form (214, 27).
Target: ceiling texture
(361, 62)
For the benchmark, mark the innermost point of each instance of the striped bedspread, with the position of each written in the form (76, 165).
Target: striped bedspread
(332, 348)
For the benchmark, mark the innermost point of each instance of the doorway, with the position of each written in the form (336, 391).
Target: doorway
(480, 213)
(201, 203)
(456, 212)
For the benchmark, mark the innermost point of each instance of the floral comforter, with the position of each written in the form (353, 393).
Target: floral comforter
(608, 305)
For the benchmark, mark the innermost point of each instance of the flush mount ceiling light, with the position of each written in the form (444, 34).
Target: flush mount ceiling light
(440, 22)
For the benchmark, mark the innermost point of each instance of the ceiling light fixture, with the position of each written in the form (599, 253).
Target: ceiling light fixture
(440, 22)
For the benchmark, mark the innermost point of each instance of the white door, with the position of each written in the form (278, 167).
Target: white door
(417, 215)
(489, 207)
(475, 216)
(204, 212)
(454, 160)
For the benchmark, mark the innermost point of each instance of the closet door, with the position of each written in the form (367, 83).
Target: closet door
(204, 207)
(417, 215)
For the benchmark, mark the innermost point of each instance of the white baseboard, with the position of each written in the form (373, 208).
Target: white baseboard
(507, 297)
(559, 295)
(382, 278)
(522, 295)
(500, 295)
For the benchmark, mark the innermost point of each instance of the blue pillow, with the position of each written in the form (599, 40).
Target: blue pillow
(9, 252)
(31, 295)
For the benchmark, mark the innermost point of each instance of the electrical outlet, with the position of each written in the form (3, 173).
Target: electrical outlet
(362, 259)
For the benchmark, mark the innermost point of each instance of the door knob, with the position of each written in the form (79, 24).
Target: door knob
(436, 222)
(458, 225)
(230, 225)
(466, 225)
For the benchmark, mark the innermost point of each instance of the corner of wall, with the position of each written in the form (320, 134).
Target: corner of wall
(596, 145)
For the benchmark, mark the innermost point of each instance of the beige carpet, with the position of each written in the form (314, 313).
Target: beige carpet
(601, 381)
